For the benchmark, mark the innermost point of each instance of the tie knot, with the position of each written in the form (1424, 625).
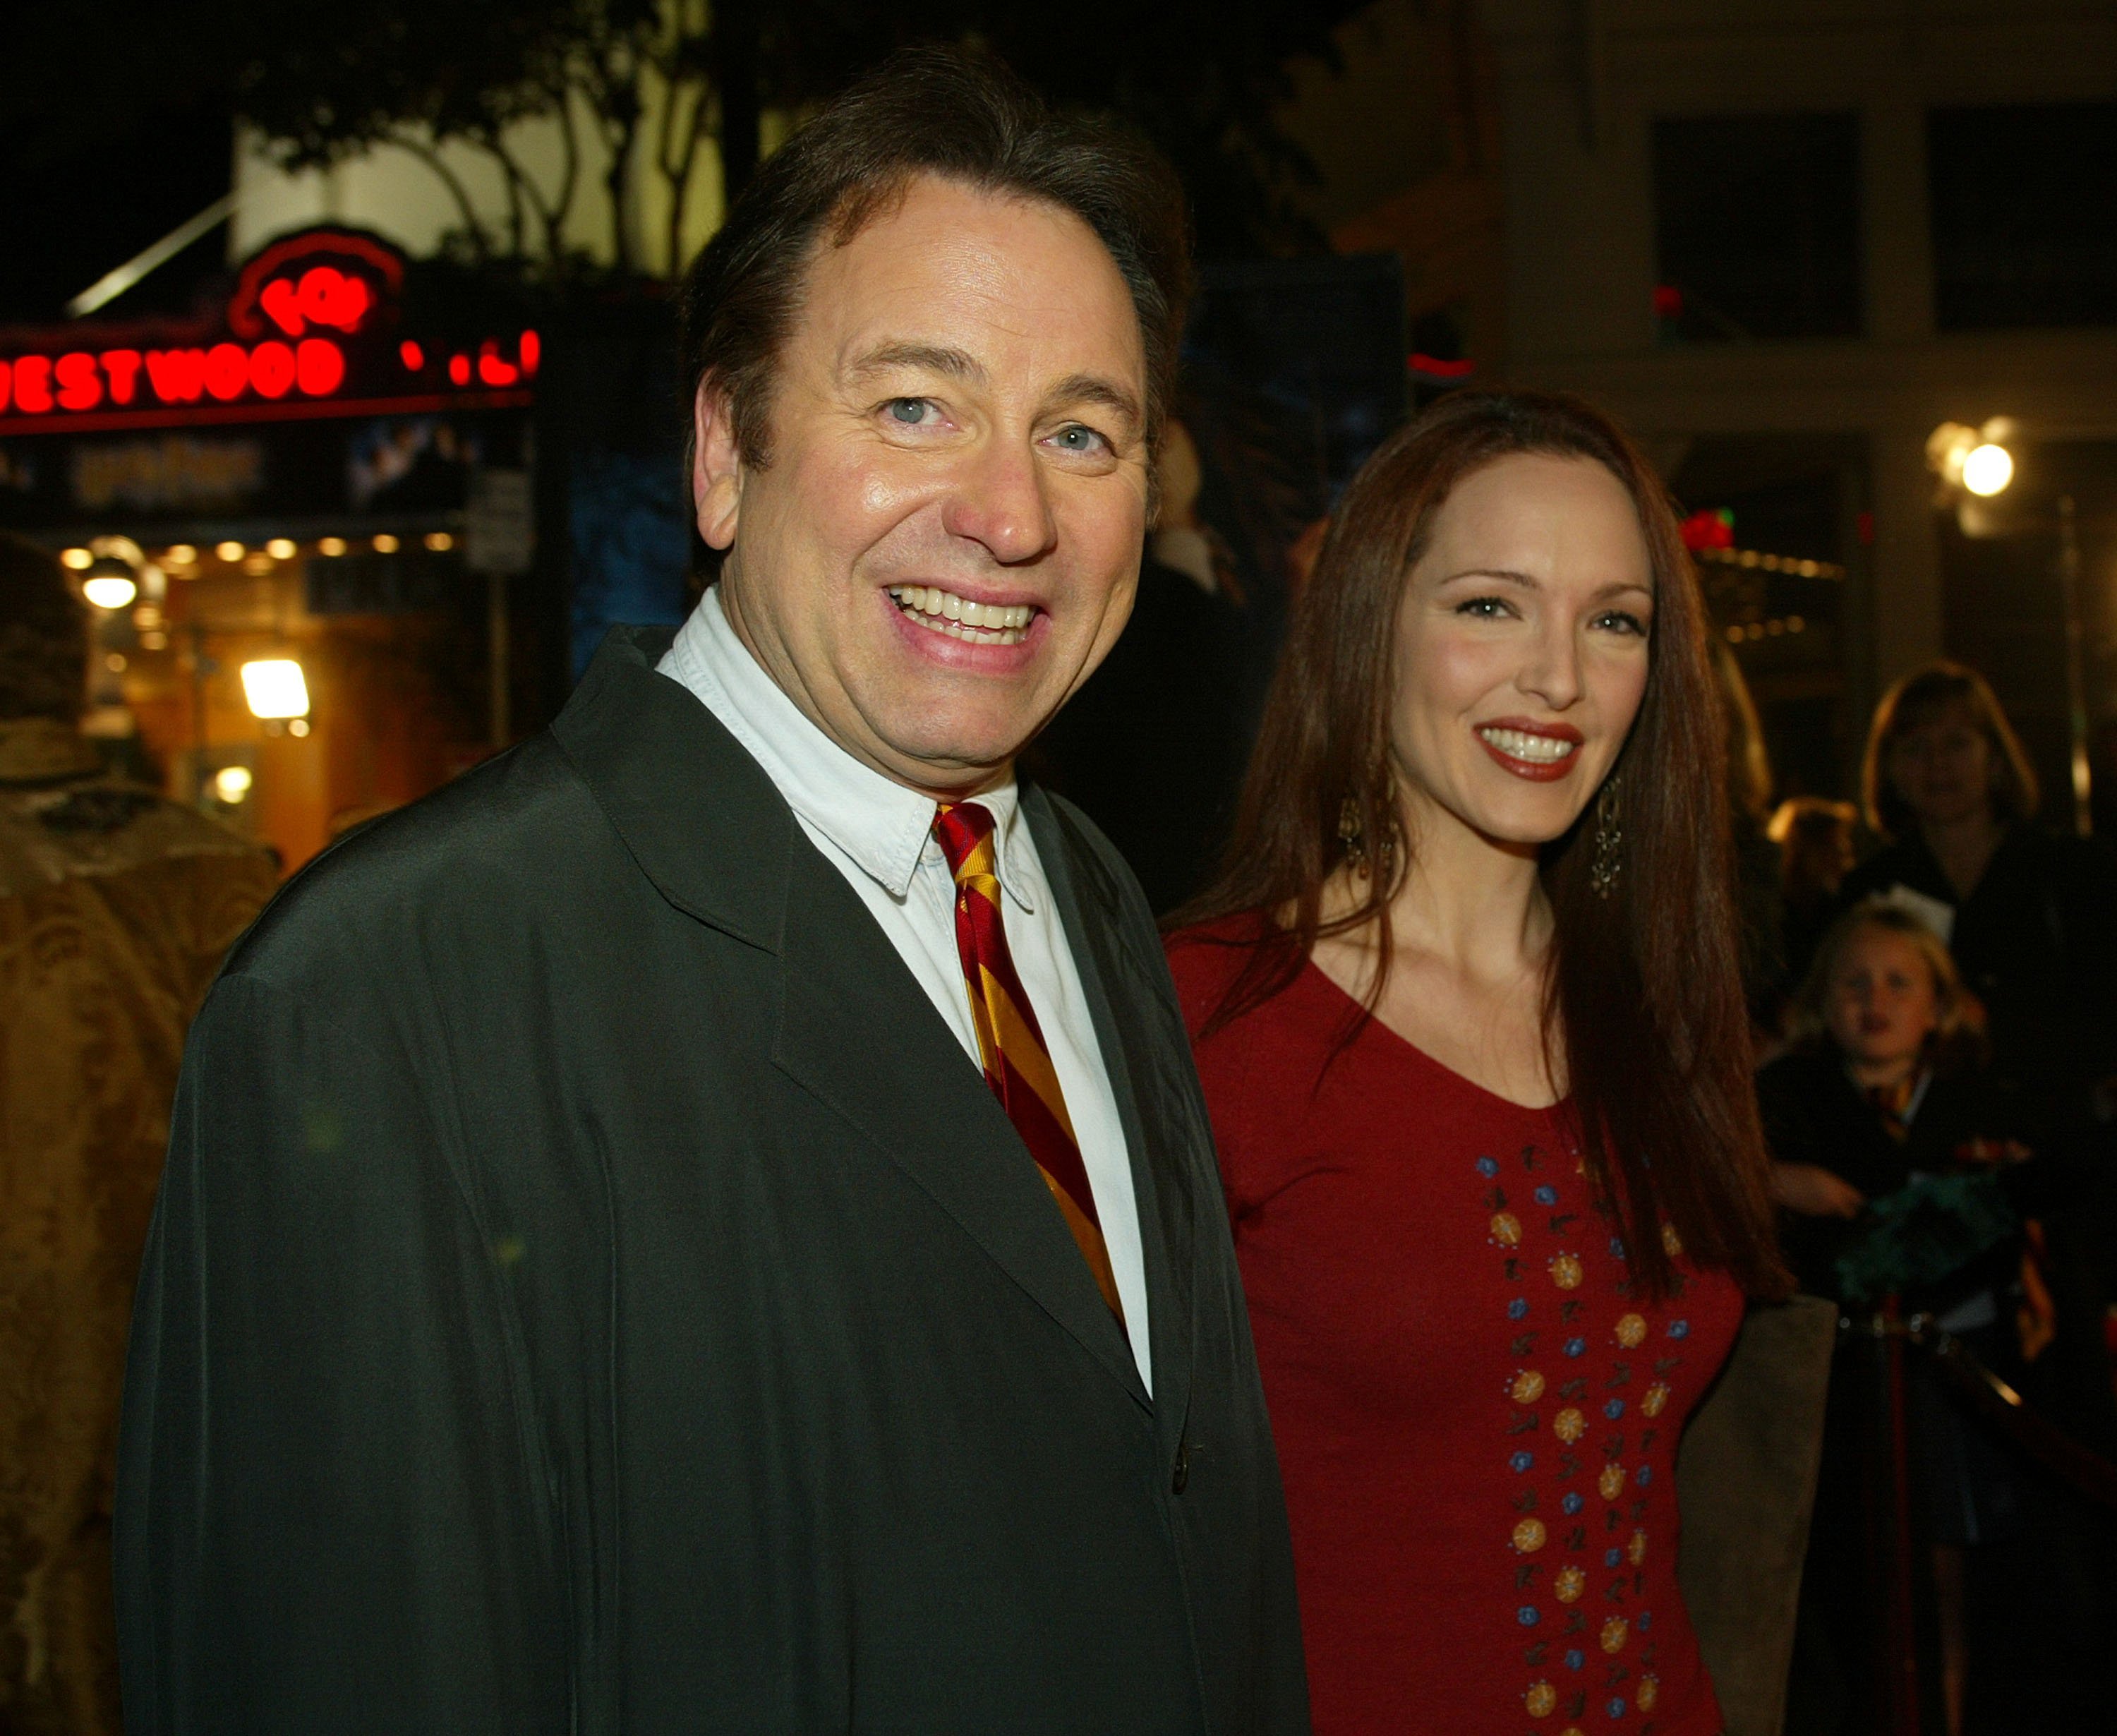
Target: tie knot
(965, 830)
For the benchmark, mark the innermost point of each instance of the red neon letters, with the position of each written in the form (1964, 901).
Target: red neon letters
(323, 295)
(39, 385)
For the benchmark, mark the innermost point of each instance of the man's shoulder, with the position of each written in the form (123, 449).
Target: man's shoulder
(475, 853)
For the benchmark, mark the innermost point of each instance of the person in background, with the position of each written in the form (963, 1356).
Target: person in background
(1481, 837)
(1765, 982)
(1814, 837)
(2030, 917)
(1887, 1137)
(115, 908)
(1152, 748)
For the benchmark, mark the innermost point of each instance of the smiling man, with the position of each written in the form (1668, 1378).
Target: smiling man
(709, 1223)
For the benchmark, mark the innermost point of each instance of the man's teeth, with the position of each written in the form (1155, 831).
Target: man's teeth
(1518, 744)
(979, 623)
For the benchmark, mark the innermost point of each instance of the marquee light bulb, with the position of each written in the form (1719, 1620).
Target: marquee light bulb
(275, 687)
(108, 591)
(1987, 469)
(231, 783)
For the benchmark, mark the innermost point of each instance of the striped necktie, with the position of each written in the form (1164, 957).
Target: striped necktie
(1010, 1043)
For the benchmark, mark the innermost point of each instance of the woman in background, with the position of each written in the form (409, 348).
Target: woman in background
(2030, 918)
(1469, 1016)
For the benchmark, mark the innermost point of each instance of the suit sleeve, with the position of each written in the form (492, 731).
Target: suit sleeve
(329, 1517)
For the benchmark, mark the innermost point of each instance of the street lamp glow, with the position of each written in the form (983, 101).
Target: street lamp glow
(1987, 469)
(275, 687)
(109, 591)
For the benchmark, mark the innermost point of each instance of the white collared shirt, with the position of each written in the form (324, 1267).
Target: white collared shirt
(879, 835)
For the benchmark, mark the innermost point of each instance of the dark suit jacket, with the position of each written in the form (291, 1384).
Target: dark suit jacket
(592, 1290)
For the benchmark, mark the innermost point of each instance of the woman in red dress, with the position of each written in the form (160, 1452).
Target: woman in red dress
(1468, 1015)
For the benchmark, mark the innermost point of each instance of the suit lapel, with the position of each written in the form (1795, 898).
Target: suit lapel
(855, 1030)
(1123, 990)
(857, 1033)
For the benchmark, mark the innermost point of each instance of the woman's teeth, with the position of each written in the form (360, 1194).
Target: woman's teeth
(978, 623)
(1517, 743)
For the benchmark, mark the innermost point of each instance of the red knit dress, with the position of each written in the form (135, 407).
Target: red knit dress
(1477, 1420)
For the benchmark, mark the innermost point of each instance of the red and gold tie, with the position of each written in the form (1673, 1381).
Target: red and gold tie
(1010, 1044)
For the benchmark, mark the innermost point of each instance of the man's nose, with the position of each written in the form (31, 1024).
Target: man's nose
(999, 501)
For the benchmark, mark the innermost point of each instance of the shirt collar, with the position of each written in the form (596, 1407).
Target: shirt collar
(884, 828)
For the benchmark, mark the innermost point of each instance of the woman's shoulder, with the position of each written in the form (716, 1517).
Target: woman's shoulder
(1207, 958)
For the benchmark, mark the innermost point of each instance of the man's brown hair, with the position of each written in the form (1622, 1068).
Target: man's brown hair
(44, 638)
(958, 115)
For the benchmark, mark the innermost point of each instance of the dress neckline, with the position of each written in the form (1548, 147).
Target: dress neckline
(1311, 968)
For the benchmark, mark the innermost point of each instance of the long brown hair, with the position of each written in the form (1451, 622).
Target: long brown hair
(1643, 994)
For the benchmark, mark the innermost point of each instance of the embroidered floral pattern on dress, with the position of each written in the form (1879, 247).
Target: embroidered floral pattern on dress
(1579, 1562)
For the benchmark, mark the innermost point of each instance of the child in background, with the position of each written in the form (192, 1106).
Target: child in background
(1881, 1089)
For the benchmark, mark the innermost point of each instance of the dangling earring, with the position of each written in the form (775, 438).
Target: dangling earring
(1603, 871)
(1352, 835)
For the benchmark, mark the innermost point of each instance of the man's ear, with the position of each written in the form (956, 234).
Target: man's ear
(717, 468)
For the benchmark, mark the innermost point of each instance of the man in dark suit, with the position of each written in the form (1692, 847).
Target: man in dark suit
(708, 1223)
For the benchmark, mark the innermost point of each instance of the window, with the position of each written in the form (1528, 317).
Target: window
(2024, 215)
(1757, 221)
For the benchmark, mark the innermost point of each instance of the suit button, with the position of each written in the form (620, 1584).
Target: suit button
(1183, 1476)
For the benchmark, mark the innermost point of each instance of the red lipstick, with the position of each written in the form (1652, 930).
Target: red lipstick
(1532, 770)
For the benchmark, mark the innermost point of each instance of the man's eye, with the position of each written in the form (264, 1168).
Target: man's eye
(909, 412)
(1075, 438)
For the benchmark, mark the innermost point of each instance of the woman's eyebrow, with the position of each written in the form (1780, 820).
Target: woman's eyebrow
(1504, 573)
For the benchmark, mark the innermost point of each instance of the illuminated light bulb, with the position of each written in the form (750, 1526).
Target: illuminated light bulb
(179, 554)
(115, 662)
(109, 591)
(231, 783)
(298, 726)
(1987, 469)
(413, 357)
(78, 559)
(154, 641)
(230, 552)
(1736, 635)
(275, 687)
(459, 370)
(440, 541)
(385, 544)
(331, 546)
(531, 351)
(280, 549)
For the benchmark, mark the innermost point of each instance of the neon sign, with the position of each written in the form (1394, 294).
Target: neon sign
(306, 334)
